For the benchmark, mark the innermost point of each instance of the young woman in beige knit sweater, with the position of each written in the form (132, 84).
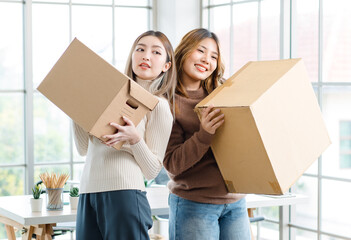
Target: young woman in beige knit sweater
(200, 205)
(113, 203)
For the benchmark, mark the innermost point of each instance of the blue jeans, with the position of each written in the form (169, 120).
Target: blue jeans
(201, 221)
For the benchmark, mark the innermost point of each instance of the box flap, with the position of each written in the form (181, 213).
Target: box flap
(87, 82)
(249, 83)
(227, 83)
(142, 95)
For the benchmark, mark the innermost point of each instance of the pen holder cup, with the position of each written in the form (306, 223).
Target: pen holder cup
(54, 199)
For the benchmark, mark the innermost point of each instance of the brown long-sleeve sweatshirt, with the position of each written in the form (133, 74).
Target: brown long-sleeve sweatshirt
(189, 159)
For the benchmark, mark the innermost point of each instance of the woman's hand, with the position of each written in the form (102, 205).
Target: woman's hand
(127, 133)
(211, 119)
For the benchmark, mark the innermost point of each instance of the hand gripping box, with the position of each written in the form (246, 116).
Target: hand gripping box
(273, 128)
(93, 93)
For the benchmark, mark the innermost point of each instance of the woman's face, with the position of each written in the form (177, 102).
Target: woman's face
(149, 58)
(202, 61)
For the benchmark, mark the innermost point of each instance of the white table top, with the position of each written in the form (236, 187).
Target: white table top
(18, 208)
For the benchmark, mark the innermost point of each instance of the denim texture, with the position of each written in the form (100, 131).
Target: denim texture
(201, 221)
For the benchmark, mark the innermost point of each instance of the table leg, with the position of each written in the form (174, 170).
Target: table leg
(28, 234)
(10, 232)
(42, 231)
(49, 232)
(250, 212)
(46, 233)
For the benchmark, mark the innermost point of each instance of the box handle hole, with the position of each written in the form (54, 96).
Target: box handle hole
(132, 104)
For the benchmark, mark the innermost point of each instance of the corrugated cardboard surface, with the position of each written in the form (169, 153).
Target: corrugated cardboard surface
(94, 93)
(273, 128)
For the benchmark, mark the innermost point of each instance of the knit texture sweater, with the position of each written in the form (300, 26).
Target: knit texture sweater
(189, 160)
(109, 169)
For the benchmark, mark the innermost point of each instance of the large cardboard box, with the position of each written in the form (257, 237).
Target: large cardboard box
(273, 128)
(94, 93)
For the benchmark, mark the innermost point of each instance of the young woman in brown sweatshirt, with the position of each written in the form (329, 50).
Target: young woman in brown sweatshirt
(200, 205)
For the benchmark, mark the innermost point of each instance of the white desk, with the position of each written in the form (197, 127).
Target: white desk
(15, 211)
(158, 199)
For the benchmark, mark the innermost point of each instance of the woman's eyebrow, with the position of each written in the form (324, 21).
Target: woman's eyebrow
(214, 52)
(153, 46)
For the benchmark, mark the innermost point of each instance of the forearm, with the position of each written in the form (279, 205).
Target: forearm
(149, 152)
(180, 156)
(149, 163)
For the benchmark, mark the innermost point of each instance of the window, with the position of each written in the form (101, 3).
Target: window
(318, 32)
(35, 134)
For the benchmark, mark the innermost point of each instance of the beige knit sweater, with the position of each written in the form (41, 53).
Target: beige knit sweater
(108, 169)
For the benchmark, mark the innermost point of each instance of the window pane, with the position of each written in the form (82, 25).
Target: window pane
(95, 32)
(270, 19)
(270, 213)
(50, 37)
(11, 181)
(304, 235)
(11, 46)
(269, 231)
(58, 169)
(214, 2)
(313, 169)
(205, 18)
(11, 129)
(132, 2)
(93, 1)
(51, 132)
(335, 102)
(52, 1)
(245, 33)
(345, 144)
(220, 24)
(137, 19)
(324, 237)
(336, 199)
(306, 213)
(336, 40)
(306, 36)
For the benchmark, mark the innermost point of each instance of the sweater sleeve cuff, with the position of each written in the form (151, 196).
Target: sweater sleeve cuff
(139, 146)
(204, 136)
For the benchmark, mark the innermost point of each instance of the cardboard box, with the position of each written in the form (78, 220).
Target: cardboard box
(94, 93)
(273, 129)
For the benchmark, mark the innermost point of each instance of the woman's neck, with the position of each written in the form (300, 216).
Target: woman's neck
(191, 84)
(148, 84)
(144, 83)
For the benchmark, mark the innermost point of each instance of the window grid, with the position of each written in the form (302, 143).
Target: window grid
(28, 91)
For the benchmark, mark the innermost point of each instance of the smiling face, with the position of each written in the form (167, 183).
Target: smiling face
(200, 64)
(149, 58)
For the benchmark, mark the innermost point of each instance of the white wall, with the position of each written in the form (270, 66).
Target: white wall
(177, 17)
